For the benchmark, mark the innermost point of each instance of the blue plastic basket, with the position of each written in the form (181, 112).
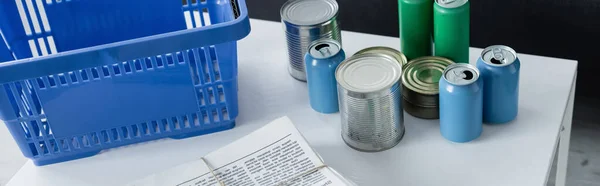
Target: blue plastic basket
(97, 74)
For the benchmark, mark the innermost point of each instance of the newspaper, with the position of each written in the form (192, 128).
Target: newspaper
(276, 154)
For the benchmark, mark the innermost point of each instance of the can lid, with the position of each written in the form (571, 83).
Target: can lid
(461, 74)
(367, 73)
(451, 3)
(308, 12)
(423, 74)
(399, 56)
(498, 55)
(324, 48)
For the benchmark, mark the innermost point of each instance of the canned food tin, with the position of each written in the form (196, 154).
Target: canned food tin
(322, 58)
(420, 86)
(370, 108)
(399, 56)
(461, 103)
(500, 68)
(305, 21)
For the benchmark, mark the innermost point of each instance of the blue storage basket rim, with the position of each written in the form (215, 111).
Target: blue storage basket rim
(128, 49)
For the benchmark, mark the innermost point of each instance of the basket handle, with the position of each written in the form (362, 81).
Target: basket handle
(112, 53)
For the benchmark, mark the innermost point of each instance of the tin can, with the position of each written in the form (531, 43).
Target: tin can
(370, 108)
(500, 68)
(461, 103)
(305, 21)
(399, 56)
(322, 58)
(420, 86)
(416, 27)
(451, 29)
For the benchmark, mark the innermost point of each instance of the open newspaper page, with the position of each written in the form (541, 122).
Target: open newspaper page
(276, 154)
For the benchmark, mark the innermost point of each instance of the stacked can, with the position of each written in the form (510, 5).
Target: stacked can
(461, 103)
(416, 22)
(322, 58)
(399, 56)
(305, 21)
(369, 96)
(500, 67)
(420, 86)
(451, 29)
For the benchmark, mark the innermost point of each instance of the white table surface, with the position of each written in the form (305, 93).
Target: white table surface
(519, 153)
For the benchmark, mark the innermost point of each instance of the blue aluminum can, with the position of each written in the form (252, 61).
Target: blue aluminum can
(321, 60)
(461, 103)
(500, 67)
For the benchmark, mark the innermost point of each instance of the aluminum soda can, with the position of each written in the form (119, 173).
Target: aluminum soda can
(420, 90)
(399, 56)
(370, 108)
(305, 21)
(322, 58)
(500, 68)
(451, 29)
(416, 27)
(461, 103)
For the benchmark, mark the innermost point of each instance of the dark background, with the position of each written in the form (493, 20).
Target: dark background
(557, 28)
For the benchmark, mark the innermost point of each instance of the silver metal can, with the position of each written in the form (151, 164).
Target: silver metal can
(369, 92)
(399, 56)
(305, 21)
(420, 89)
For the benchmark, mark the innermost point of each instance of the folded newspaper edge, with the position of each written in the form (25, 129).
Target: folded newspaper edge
(275, 154)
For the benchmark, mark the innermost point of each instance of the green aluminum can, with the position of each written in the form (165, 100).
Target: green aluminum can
(416, 27)
(451, 29)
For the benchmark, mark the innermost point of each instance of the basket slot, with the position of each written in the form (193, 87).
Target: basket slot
(196, 65)
(225, 113)
(165, 125)
(207, 65)
(125, 133)
(174, 123)
(34, 149)
(104, 137)
(186, 121)
(94, 139)
(221, 93)
(159, 61)
(127, 67)
(216, 115)
(205, 119)
(153, 62)
(212, 60)
(196, 120)
(190, 58)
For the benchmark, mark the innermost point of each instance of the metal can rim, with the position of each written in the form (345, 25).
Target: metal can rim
(323, 41)
(354, 59)
(286, 19)
(457, 65)
(399, 56)
(451, 4)
(490, 48)
(407, 81)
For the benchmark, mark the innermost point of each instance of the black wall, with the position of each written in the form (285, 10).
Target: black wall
(558, 28)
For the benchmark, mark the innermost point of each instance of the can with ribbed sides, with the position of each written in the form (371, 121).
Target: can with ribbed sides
(399, 56)
(420, 90)
(369, 92)
(461, 103)
(322, 59)
(451, 24)
(500, 68)
(305, 21)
